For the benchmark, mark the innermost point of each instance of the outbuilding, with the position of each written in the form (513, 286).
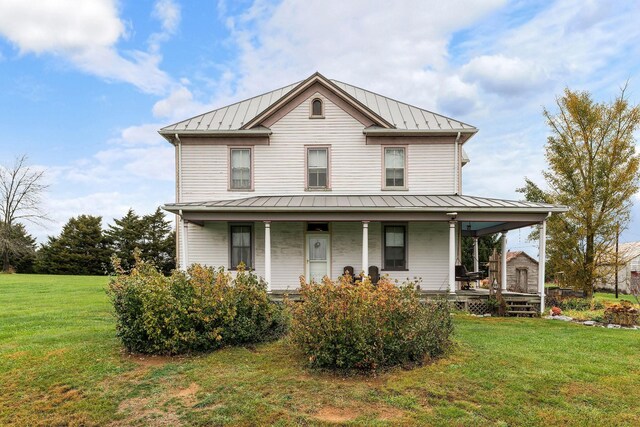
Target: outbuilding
(522, 272)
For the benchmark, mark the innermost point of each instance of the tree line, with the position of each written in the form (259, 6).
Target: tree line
(84, 247)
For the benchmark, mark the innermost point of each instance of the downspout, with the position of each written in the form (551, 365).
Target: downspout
(184, 260)
(179, 142)
(457, 165)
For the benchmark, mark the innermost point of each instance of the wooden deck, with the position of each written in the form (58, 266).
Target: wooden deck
(472, 300)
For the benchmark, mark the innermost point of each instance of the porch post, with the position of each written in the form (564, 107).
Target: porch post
(452, 257)
(365, 247)
(476, 260)
(267, 254)
(185, 251)
(503, 261)
(541, 263)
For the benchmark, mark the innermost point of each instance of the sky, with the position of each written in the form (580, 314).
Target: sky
(86, 85)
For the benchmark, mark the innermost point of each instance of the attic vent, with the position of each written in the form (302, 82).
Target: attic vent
(317, 108)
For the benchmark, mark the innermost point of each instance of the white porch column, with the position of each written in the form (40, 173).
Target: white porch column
(267, 254)
(184, 261)
(365, 247)
(503, 261)
(541, 263)
(452, 256)
(476, 260)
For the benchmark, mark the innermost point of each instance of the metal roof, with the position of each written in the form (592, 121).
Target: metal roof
(324, 203)
(403, 116)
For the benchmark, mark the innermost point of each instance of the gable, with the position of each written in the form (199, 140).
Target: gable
(303, 102)
(317, 83)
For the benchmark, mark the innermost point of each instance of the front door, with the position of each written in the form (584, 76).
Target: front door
(317, 257)
(522, 280)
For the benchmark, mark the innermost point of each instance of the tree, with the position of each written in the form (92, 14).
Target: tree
(21, 189)
(81, 248)
(152, 234)
(159, 243)
(486, 244)
(18, 248)
(593, 170)
(125, 235)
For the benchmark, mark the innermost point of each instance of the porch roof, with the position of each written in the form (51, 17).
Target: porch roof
(478, 215)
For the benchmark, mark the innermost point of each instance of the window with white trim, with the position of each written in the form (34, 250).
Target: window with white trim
(395, 247)
(394, 167)
(317, 167)
(240, 169)
(241, 242)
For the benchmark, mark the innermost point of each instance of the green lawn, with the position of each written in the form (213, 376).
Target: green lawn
(60, 364)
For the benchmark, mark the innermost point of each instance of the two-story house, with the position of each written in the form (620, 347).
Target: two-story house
(319, 175)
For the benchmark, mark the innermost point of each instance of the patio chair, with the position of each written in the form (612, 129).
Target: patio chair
(348, 270)
(374, 274)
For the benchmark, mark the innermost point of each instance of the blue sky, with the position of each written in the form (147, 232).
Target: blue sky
(86, 84)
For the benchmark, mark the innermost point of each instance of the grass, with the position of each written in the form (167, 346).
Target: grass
(60, 364)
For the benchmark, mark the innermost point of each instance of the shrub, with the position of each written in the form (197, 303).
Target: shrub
(624, 314)
(200, 310)
(339, 325)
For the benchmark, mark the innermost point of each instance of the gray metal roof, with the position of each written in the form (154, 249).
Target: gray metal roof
(401, 115)
(322, 202)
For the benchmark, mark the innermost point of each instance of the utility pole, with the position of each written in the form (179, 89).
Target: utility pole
(617, 240)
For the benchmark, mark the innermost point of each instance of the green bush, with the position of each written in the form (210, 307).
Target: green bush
(344, 326)
(200, 310)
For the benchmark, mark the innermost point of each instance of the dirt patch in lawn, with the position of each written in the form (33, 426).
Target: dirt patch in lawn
(332, 414)
(188, 395)
(142, 411)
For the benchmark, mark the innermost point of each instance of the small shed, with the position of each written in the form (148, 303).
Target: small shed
(522, 272)
(628, 270)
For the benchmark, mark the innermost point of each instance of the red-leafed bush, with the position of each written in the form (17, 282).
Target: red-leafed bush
(340, 325)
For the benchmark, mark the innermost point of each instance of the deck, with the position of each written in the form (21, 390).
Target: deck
(474, 301)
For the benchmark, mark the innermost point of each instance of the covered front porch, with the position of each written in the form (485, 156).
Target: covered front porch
(356, 231)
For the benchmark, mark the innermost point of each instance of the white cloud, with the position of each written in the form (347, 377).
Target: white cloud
(168, 13)
(504, 76)
(179, 105)
(85, 33)
(396, 49)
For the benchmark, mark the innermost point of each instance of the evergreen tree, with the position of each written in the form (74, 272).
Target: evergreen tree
(151, 233)
(159, 241)
(125, 235)
(18, 248)
(81, 248)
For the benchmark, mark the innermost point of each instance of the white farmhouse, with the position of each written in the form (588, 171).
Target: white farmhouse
(319, 175)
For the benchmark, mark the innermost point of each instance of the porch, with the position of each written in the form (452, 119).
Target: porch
(474, 301)
(356, 233)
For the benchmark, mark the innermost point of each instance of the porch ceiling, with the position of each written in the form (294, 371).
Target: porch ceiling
(479, 215)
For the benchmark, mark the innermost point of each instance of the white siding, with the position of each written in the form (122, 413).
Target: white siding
(279, 168)
(427, 247)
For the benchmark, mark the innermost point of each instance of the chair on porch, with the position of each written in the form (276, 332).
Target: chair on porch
(374, 274)
(348, 270)
(462, 275)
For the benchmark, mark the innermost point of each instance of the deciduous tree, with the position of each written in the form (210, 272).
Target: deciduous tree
(21, 189)
(592, 169)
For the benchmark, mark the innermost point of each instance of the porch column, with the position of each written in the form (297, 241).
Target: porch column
(365, 247)
(267, 254)
(541, 263)
(503, 261)
(476, 260)
(452, 256)
(184, 264)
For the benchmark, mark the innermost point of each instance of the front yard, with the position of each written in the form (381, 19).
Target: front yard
(61, 364)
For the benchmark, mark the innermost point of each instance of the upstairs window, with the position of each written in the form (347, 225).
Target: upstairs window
(240, 169)
(317, 167)
(395, 247)
(317, 108)
(394, 167)
(241, 240)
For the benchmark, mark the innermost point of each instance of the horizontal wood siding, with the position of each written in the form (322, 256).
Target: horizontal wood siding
(427, 258)
(279, 168)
